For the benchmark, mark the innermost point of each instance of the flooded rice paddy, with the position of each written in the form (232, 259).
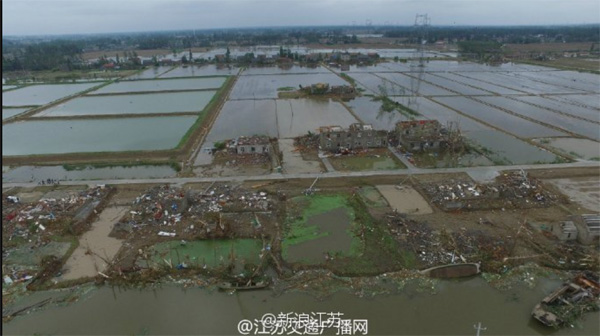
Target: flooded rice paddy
(106, 135)
(579, 148)
(283, 70)
(570, 124)
(153, 72)
(42, 173)
(42, 94)
(277, 118)
(244, 118)
(8, 112)
(131, 104)
(265, 86)
(498, 118)
(590, 114)
(297, 117)
(199, 71)
(163, 85)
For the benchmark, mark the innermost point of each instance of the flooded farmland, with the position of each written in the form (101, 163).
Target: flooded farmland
(297, 117)
(150, 73)
(266, 86)
(8, 112)
(131, 104)
(163, 85)
(74, 136)
(369, 112)
(42, 94)
(562, 107)
(244, 118)
(498, 118)
(573, 125)
(580, 148)
(284, 70)
(200, 70)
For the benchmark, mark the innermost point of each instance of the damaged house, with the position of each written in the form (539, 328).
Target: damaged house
(357, 136)
(258, 144)
(423, 135)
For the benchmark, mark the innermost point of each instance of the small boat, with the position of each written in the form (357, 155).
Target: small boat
(237, 285)
(568, 302)
(453, 270)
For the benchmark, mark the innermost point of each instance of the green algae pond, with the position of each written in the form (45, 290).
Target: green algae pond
(324, 228)
(209, 253)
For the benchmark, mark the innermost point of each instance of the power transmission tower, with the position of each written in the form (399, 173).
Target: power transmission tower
(417, 65)
(479, 328)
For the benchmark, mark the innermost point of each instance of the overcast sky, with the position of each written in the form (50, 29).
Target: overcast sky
(41, 17)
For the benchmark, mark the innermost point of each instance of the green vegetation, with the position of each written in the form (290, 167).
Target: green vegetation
(75, 167)
(481, 50)
(219, 145)
(348, 78)
(212, 253)
(286, 88)
(388, 105)
(202, 115)
(366, 162)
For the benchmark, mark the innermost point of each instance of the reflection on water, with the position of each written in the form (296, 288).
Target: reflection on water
(34, 173)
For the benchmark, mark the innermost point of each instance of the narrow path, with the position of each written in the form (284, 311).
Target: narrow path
(334, 174)
(402, 158)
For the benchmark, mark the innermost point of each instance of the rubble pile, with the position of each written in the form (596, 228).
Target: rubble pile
(173, 212)
(514, 190)
(433, 248)
(307, 143)
(232, 159)
(23, 220)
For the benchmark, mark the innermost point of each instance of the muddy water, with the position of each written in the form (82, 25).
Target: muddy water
(34, 173)
(456, 307)
(95, 247)
(335, 224)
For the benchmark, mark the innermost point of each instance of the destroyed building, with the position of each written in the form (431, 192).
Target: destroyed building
(252, 145)
(357, 136)
(423, 135)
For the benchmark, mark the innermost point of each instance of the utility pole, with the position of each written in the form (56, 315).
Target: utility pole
(479, 328)
(421, 27)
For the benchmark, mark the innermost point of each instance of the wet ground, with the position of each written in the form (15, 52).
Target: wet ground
(96, 249)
